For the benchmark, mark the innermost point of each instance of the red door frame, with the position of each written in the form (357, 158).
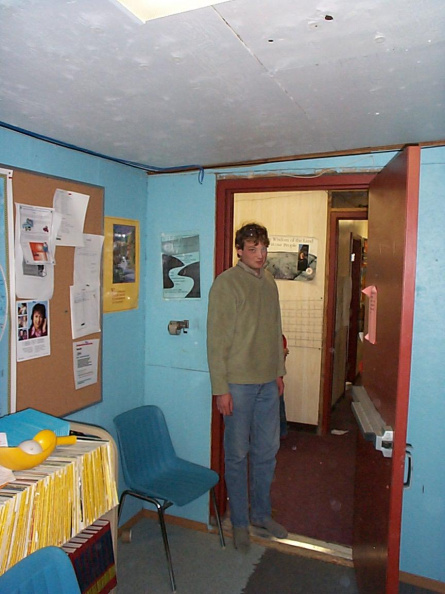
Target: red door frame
(225, 191)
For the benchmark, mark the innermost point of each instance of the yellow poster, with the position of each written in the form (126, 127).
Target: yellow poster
(121, 264)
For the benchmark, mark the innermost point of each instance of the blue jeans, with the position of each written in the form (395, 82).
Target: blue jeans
(251, 433)
(283, 420)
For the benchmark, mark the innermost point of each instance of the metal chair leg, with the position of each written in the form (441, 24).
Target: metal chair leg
(166, 546)
(121, 504)
(160, 509)
(218, 519)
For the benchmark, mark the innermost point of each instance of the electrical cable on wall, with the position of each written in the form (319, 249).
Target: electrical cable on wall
(148, 168)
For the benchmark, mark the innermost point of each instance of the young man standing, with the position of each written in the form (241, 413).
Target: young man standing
(246, 362)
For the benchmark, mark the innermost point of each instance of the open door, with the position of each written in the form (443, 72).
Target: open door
(392, 248)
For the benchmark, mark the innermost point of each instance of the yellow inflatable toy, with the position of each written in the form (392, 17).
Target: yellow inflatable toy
(33, 452)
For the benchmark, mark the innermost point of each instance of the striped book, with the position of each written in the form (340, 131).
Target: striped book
(91, 553)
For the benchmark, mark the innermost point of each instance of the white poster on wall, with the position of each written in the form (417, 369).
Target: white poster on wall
(72, 208)
(292, 257)
(181, 266)
(35, 245)
(85, 362)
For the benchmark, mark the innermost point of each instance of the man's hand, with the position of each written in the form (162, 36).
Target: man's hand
(224, 404)
(280, 384)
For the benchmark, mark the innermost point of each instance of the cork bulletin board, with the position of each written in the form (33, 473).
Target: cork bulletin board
(47, 383)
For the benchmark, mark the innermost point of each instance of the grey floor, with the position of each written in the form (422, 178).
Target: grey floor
(202, 567)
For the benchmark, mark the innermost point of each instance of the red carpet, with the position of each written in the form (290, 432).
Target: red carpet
(312, 494)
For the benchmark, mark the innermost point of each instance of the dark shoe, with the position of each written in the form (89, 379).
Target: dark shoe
(272, 527)
(241, 539)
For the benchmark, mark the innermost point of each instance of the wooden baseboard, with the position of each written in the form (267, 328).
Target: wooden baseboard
(130, 523)
(422, 582)
(152, 515)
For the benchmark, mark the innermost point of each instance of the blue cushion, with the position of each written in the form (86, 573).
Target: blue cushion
(47, 571)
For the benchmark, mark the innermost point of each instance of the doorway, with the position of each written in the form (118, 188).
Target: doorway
(348, 310)
(393, 212)
(226, 190)
(296, 223)
(312, 493)
(313, 490)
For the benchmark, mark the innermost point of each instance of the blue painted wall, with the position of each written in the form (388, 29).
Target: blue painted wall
(125, 196)
(143, 363)
(177, 376)
(423, 533)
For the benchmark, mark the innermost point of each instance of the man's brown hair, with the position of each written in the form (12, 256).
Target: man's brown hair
(251, 232)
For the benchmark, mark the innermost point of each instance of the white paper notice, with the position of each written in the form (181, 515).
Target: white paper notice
(87, 260)
(34, 281)
(85, 360)
(73, 207)
(36, 234)
(85, 310)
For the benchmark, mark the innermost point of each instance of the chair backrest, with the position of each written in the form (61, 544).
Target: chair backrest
(47, 571)
(144, 444)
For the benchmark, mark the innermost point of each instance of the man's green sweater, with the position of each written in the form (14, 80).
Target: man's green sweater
(244, 336)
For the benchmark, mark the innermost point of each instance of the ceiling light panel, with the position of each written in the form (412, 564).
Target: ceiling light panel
(146, 10)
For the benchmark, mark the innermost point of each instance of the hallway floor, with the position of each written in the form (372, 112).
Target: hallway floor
(312, 493)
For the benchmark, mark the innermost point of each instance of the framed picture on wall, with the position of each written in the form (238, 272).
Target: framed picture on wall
(121, 264)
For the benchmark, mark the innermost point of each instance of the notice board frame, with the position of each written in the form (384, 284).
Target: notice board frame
(47, 383)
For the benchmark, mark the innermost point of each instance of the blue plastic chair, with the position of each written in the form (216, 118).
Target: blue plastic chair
(153, 472)
(47, 571)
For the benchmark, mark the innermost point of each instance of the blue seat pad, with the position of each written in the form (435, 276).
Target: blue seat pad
(180, 482)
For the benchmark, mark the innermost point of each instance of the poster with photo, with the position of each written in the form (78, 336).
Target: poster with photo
(181, 266)
(121, 264)
(292, 258)
(36, 229)
(33, 329)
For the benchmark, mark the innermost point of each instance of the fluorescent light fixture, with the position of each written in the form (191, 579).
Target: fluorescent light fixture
(146, 10)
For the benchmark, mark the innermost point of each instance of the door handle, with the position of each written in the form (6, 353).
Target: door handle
(409, 471)
(371, 423)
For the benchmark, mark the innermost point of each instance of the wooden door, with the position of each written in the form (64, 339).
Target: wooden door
(393, 207)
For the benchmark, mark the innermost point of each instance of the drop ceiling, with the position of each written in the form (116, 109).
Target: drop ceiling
(241, 81)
